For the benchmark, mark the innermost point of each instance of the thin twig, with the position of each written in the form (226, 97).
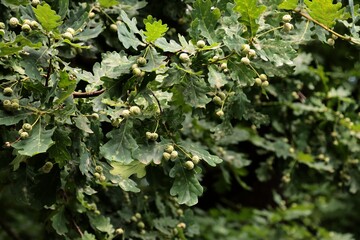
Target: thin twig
(88, 94)
(77, 228)
(308, 17)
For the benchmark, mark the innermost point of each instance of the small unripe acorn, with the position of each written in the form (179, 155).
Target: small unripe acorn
(135, 110)
(222, 95)
(46, 168)
(154, 136)
(119, 231)
(15, 105)
(258, 81)
(141, 61)
(67, 35)
(215, 58)
(288, 27)
(7, 103)
(13, 22)
(136, 72)
(330, 41)
(200, 44)
(252, 53)
(95, 116)
(189, 165)
(102, 178)
(27, 21)
(91, 15)
(34, 3)
(195, 159)
(24, 135)
(113, 27)
(217, 100)
(265, 84)
(71, 30)
(125, 113)
(141, 225)
(169, 148)
(8, 91)
(97, 175)
(245, 48)
(223, 66)
(2, 25)
(181, 225)
(174, 155)
(286, 18)
(34, 24)
(148, 135)
(245, 60)
(184, 57)
(7, 144)
(220, 113)
(98, 169)
(166, 155)
(263, 77)
(25, 28)
(27, 127)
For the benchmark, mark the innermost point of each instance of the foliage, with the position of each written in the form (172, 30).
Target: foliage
(211, 119)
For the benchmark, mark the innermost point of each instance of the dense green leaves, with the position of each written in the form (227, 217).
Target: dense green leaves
(126, 120)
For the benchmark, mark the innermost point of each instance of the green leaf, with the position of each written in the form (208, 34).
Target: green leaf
(89, 33)
(87, 236)
(59, 151)
(205, 20)
(126, 170)
(171, 46)
(59, 221)
(15, 2)
(15, 46)
(250, 12)
(83, 123)
(126, 32)
(154, 29)
(128, 185)
(325, 11)
(121, 144)
(193, 90)
(288, 4)
(152, 152)
(108, 3)
(154, 60)
(47, 17)
(241, 73)
(9, 119)
(39, 141)
(277, 51)
(216, 79)
(186, 186)
(100, 223)
(17, 160)
(199, 150)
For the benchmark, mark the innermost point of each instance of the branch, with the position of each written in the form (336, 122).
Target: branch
(349, 39)
(88, 94)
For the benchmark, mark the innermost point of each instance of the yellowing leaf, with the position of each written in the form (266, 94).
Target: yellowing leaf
(108, 3)
(288, 4)
(325, 11)
(154, 29)
(47, 17)
(126, 170)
